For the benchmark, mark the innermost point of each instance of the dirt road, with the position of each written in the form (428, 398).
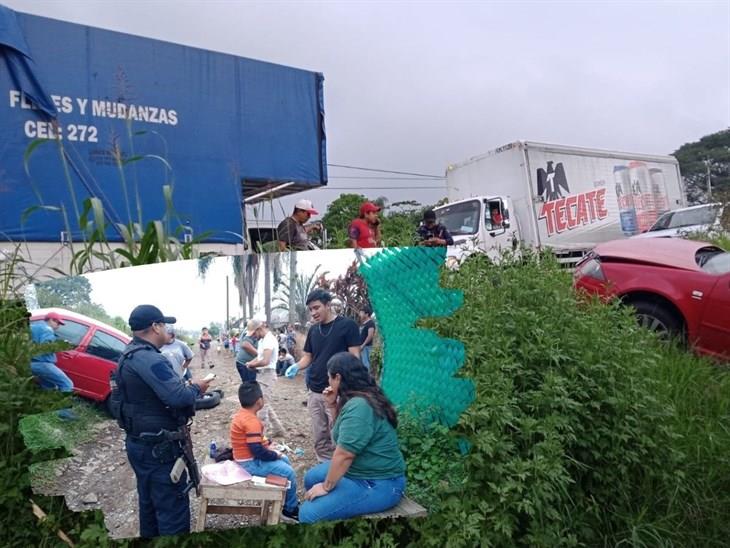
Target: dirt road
(98, 475)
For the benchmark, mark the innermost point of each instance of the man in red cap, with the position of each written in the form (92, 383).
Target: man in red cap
(365, 230)
(44, 366)
(292, 233)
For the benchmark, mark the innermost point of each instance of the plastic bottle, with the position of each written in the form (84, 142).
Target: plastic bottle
(212, 449)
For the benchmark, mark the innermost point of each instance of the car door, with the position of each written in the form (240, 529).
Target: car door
(70, 361)
(100, 357)
(715, 324)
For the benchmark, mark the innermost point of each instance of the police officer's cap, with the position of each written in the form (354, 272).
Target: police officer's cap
(145, 315)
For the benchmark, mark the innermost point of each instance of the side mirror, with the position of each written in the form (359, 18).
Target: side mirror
(505, 224)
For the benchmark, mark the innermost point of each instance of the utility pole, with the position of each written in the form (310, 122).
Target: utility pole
(228, 315)
(267, 286)
(292, 285)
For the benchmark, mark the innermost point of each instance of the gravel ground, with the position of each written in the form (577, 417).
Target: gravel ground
(98, 475)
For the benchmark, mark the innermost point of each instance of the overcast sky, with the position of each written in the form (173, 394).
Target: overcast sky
(177, 290)
(414, 86)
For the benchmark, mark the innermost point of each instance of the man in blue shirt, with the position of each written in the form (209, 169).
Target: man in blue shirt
(44, 366)
(155, 400)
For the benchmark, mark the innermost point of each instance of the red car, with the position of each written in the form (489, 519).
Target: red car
(97, 349)
(677, 287)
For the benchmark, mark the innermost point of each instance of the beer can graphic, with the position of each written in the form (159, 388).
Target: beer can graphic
(642, 194)
(659, 191)
(625, 199)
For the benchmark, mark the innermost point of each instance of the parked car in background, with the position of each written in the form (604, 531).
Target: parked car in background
(677, 223)
(96, 349)
(677, 287)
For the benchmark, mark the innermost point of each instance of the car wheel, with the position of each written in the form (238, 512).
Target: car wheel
(208, 400)
(659, 319)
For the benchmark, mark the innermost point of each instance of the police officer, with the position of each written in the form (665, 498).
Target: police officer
(155, 400)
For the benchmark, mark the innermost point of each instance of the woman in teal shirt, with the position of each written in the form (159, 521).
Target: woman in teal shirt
(367, 471)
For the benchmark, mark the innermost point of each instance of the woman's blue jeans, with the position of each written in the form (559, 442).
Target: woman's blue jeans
(350, 497)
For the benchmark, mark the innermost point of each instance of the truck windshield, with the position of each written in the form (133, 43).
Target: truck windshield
(460, 219)
(688, 217)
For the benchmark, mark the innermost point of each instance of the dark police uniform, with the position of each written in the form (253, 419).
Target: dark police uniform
(155, 398)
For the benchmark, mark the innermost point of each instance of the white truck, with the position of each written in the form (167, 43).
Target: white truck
(563, 198)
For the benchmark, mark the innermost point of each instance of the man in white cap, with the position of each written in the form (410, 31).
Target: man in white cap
(265, 366)
(292, 232)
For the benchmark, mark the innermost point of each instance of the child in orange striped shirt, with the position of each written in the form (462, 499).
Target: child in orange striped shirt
(251, 448)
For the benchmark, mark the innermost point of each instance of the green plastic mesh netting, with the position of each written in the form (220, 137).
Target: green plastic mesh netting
(418, 365)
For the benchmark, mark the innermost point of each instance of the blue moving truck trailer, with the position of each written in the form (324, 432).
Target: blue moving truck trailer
(90, 112)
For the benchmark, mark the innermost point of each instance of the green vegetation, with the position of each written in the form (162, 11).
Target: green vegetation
(585, 431)
(399, 220)
(713, 152)
(88, 225)
(74, 293)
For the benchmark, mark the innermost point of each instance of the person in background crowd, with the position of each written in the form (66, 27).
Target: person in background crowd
(234, 343)
(178, 353)
(367, 334)
(265, 366)
(44, 366)
(291, 339)
(364, 232)
(293, 232)
(431, 233)
(367, 471)
(204, 343)
(247, 352)
(284, 361)
(251, 448)
(328, 335)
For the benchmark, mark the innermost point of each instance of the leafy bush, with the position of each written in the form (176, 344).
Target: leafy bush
(435, 463)
(21, 397)
(579, 433)
(585, 431)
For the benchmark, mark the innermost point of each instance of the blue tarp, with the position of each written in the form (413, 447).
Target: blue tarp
(170, 114)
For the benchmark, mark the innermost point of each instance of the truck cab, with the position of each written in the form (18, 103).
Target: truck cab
(481, 222)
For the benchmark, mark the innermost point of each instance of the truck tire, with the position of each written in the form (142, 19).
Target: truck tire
(207, 401)
(658, 318)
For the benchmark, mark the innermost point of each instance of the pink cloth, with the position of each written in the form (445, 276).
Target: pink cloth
(227, 472)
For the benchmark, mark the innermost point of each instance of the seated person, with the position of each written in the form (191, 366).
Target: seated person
(496, 217)
(251, 448)
(284, 361)
(431, 233)
(367, 471)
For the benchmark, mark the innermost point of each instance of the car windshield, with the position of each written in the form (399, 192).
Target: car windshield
(689, 217)
(716, 263)
(460, 219)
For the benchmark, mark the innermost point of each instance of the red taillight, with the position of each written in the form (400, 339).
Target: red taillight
(591, 269)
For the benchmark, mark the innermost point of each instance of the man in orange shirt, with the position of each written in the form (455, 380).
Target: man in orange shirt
(251, 448)
(365, 230)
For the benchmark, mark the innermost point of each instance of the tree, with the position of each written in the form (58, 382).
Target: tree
(338, 217)
(215, 329)
(245, 277)
(294, 292)
(350, 288)
(713, 152)
(64, 292)
(399, 219)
